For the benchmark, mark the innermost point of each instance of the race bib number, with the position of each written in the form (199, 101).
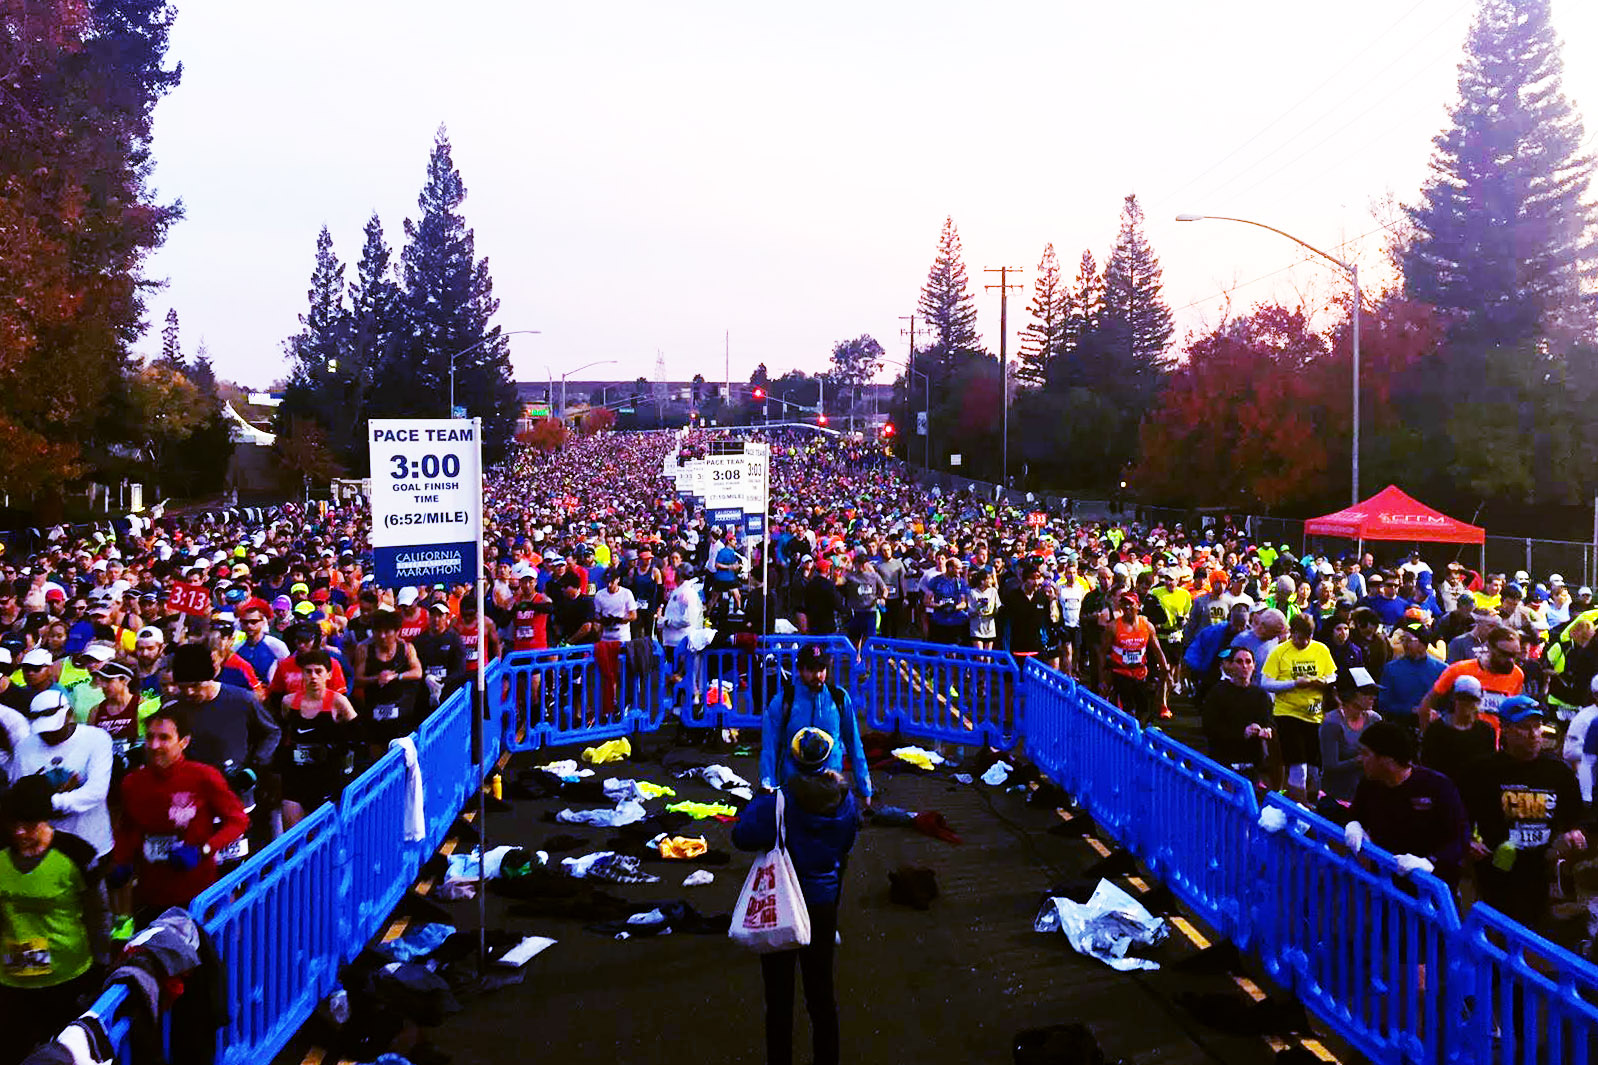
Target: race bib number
(1528, 834)
(1491, 701)
(27, 958)
(386, 712)
(1132, 658)
(304, 754)
(158, 848)
(119, 748)
(236, 851)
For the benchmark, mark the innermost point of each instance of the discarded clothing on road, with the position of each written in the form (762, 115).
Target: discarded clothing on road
(608, 865)
(919, 757)
(932, 823)
(656, 918)
(611, 751)
(701, 810)
(624, 814)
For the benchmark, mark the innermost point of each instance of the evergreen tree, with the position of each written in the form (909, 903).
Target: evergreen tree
(201, 372)
(449, 301)
(171, 344)
(1084, 308)
(1135, 326)
(1503, 229)
(376, 324)
(1044, 337)
(317, 351)
(947, 305)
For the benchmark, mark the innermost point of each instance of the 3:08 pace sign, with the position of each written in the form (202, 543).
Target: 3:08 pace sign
(426, 476)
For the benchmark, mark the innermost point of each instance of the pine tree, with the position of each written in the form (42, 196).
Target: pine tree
(947, 304)
(1135, 327)
(1503, 229)
(1044, 337)
(171, 344)
(1084, 309)
(449, 302)
(317, 351)
(201, 372)
(376, 324)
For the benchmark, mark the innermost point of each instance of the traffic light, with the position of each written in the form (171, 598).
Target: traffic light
(887, 429)
(759, 393)
(821, 419)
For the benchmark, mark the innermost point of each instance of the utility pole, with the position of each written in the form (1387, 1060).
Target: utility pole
(926, 397)
(1004, 288)
(726, 398)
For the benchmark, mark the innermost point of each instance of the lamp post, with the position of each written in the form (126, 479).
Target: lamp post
(926, 406)
(474, 347)
(568, 373)
(1352, 270)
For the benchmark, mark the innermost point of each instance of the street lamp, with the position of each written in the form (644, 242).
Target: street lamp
(474, 347)
(926, 406)
(1352, 270)
(568, 373)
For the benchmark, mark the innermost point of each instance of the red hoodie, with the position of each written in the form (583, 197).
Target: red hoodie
(164, 808)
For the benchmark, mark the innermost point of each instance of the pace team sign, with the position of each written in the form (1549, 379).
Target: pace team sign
(427, 511)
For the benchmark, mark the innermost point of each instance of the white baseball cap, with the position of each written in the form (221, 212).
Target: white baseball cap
(99, 652)
(38, 656)
(49, 709)
(406, 597)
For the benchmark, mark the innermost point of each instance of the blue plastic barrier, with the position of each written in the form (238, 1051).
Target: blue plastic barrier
(1380, 957)
(1106, 766)
(275, 928)
(959, 695)
(1364, 946)
(1192, 803)
(1515, 997)
(377, 871)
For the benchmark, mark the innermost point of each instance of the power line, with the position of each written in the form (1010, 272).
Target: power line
(1279, 119)
(1419, 71)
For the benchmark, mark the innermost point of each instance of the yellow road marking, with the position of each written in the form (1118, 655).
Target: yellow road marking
(1139, 883)
(1316, 1047)
(396, 929)
(1193, 934)
(314, 1056)
(1104, 852)
(1250, 988)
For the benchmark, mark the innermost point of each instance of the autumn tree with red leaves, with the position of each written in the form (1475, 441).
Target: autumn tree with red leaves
(78, 82)
(1258, 413)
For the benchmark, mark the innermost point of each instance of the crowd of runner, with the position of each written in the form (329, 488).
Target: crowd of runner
(176, 692)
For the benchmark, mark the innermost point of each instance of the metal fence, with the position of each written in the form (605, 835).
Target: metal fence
(1380, 956)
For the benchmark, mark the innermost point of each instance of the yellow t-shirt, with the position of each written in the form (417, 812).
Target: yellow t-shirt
(1289, 663)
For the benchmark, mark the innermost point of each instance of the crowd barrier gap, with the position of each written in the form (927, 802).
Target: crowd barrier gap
(1382, 958)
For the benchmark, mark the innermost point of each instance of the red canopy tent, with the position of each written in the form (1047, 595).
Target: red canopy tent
(1392, 514)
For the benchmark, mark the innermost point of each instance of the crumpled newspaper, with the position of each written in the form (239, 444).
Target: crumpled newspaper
(1105, 927)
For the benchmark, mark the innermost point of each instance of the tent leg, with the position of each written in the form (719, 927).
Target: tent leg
(1484, 561)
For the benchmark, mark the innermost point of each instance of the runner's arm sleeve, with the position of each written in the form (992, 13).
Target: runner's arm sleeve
(92, 792)
(265, 733)
(857, 750)
(229, 810)
(1268, 681)
(770, 722)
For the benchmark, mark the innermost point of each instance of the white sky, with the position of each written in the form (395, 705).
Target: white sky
(646, 176)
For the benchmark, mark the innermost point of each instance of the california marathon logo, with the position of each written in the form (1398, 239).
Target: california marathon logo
(410, 563)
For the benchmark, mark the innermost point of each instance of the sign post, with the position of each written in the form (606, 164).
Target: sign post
(427, 528)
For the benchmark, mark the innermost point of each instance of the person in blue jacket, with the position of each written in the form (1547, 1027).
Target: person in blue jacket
(811, 703)
(820, 819)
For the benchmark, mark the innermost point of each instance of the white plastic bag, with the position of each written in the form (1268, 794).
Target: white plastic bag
(771, 914)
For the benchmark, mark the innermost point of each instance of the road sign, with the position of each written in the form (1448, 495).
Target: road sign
(954, 459)
(427, 513)
(921, 423)
(191, 599)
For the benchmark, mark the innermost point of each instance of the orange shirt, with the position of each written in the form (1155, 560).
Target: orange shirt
(1495, 687)
(1129, 648)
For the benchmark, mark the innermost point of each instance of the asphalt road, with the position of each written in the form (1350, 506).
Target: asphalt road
(953, 983)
